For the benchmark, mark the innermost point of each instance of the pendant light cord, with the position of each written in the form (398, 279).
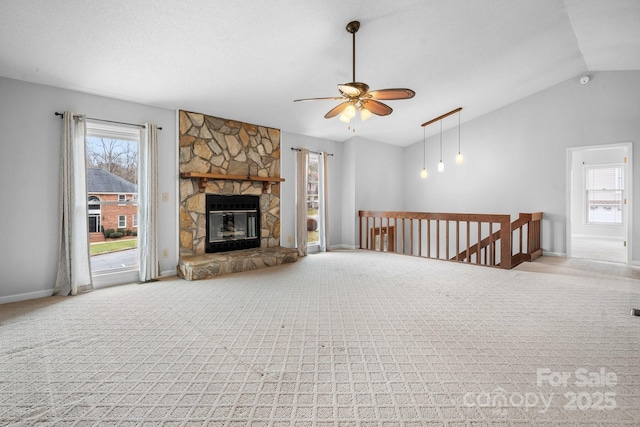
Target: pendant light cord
(458, 132)
(440, 141)
(424, 148)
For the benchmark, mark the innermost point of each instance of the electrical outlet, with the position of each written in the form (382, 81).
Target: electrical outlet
(165, 197)
(289, 239)
(165, 253)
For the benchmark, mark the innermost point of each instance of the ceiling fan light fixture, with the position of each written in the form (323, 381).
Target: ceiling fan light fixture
(345, 118)
(365, 114)
(350, 111)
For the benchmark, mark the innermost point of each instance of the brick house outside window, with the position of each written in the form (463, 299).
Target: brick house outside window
(110, 198)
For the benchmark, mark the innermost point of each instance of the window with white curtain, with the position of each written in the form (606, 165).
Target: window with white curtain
(312, 199)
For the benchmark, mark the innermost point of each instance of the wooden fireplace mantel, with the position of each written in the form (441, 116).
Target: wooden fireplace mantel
(204, 177)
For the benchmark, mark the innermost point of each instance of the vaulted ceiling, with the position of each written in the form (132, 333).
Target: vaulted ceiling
(248, 60)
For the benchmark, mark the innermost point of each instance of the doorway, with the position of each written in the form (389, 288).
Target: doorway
(599, 209)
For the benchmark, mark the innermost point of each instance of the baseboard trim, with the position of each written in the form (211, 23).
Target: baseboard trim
(343, 247)
(26, 296)
(555, 254)
(169, 273)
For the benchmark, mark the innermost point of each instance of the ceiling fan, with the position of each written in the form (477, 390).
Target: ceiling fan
(356, 95)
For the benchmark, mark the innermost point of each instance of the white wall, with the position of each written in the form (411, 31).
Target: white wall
(348, 211)
(378, 180)
(371, 180)
(30, 136)
(515, 157)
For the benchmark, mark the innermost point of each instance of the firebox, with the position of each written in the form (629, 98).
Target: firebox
(233, 223)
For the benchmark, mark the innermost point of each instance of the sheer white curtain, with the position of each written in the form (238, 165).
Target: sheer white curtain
(74, 268)
(323, 201)
(302, 166)
(148, 203)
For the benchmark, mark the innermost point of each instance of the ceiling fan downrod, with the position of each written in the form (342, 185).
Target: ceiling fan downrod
(353, 27)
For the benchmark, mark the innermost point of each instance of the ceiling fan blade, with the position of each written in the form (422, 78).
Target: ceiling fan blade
(337, 109)
(334, 98)
(376, 107)
(395, 93)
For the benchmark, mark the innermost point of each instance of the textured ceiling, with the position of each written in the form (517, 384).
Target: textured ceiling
(248, 60)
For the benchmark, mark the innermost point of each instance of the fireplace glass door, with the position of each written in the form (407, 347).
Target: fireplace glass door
(232, 225)
(232, 222)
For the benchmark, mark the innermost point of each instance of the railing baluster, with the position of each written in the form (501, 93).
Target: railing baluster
(492, 254)
(478, 259)
(366, 230)
(447, 242)
(410, 236)
(457, 240)
(428, 238)
(437, 239)
(387, 234)
(520, 237)
(468, 258)
(419, 237)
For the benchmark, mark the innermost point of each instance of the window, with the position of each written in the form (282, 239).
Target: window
(312, 199)
(112, 173)
(135, 220)
(93, 204)
(604, 185)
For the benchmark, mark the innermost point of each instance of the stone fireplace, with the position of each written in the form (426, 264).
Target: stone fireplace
(220, 157)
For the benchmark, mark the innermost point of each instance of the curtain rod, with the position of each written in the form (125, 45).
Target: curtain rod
(314, 152)
(112, 121)
(441, 117)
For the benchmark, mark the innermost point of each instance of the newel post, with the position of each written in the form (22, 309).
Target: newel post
(505, 243)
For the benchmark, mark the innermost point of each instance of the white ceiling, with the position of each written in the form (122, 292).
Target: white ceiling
(248, 60)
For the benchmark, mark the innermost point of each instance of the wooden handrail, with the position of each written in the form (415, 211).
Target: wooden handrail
(493, 249)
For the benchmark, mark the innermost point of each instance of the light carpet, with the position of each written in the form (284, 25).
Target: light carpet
(602, 249)
(337, 339)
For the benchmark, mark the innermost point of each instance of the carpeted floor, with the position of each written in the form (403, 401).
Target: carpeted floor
(601, 249)
(336, 339)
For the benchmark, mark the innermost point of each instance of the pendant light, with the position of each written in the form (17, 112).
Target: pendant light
(459, 158)
(423, 173)
(441, 164)
(439, 119)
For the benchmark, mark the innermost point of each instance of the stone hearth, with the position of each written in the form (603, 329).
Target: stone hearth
(211, 265)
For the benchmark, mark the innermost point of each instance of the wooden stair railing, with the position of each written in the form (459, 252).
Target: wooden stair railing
(532, 221)
(388, 231)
